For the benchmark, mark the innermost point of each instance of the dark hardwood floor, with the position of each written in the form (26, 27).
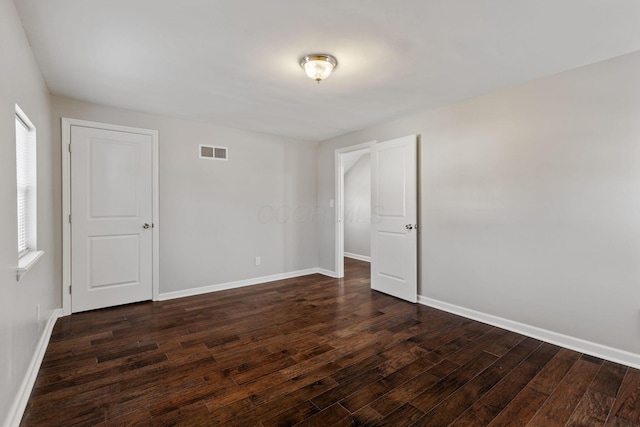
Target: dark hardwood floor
(316, 351)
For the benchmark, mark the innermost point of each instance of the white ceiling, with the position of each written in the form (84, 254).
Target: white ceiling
(235, 62)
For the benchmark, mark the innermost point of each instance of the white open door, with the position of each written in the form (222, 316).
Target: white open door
(111, 218)
(394, 234)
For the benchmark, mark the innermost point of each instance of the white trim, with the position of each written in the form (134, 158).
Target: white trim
(240, 283)
(358, 257)
(573, 343)
(339, 202)
(339, 215)
(328, 273)
(16, 411)
(26, 262)
(66, 203)
(65, 128)
(155, 230)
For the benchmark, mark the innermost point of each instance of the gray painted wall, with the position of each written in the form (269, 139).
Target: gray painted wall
(357, 207)
(22, 83)
(530, 202)
(217, 216)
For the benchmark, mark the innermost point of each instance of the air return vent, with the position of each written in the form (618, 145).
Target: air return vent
(211, 152)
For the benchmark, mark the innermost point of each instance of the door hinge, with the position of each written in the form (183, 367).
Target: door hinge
(69, 147)
(69, 218)
(69, 289)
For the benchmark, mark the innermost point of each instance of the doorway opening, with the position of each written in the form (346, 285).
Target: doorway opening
(393, 215)
(353, 204)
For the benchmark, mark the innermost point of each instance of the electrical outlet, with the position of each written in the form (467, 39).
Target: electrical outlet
(257, 260)
(38, 313)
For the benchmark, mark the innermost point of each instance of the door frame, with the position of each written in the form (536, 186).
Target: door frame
(66, 124)
(339, 203)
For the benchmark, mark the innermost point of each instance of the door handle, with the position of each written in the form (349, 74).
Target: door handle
(146, 225)
(409, 227)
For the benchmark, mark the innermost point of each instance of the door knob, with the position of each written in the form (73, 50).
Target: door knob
(145, 226)
(409, 227)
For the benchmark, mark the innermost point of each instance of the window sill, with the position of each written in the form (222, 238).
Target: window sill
(27, 261)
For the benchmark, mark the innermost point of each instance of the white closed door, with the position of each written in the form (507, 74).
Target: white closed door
(111, 218)
(394, 233)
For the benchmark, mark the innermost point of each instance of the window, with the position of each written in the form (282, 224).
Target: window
(26, 191)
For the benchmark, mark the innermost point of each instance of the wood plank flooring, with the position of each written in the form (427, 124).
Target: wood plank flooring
(315, 351)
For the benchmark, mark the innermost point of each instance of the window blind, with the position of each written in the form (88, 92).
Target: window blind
(25, 177)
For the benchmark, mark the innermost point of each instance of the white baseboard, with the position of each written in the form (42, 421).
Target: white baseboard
(573, 343)
(16, 411)
(358, 257)
(326, 272)
(241, 283)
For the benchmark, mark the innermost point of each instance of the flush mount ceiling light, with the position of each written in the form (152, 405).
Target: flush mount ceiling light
(318, 66)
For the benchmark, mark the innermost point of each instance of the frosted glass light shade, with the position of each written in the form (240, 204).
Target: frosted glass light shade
(318, 66)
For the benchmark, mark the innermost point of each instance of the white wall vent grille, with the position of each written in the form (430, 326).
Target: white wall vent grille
(211, 152)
